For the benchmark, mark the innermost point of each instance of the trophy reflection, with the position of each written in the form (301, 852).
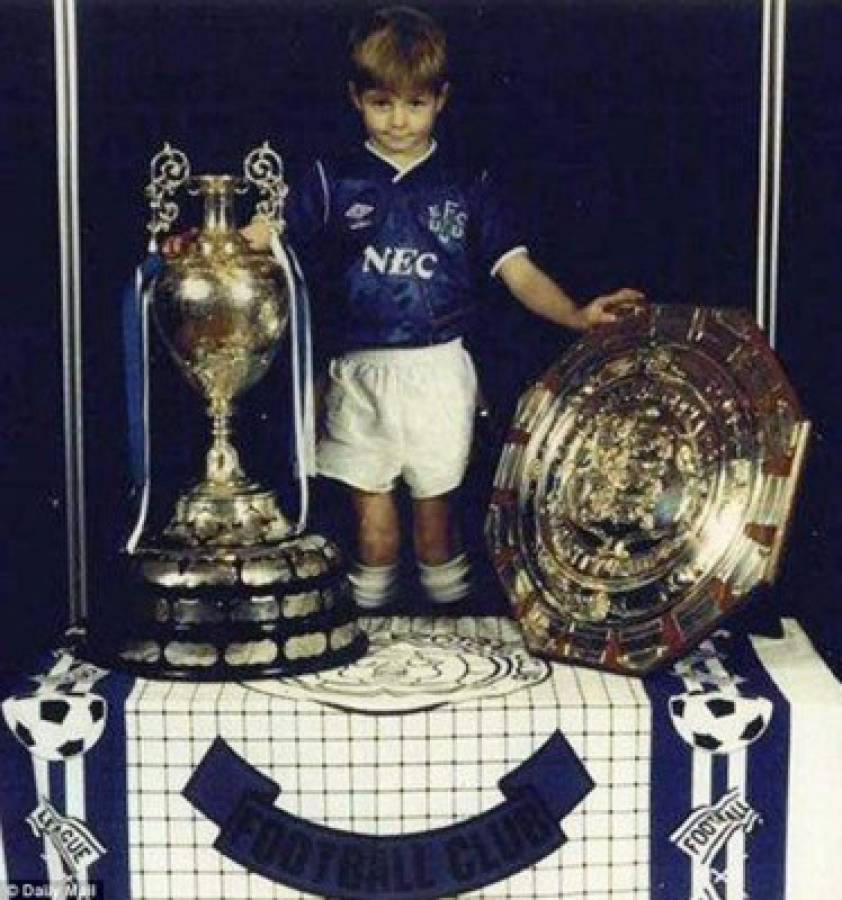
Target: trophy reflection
(229, 588)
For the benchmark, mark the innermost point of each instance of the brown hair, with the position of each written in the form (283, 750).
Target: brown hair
(400, 48)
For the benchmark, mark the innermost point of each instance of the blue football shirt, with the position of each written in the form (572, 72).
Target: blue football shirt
(403, 251)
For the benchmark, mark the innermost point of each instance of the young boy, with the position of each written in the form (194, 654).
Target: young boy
(407, 236)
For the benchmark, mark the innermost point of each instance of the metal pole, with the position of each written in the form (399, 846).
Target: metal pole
(773, 46)
(777, 154)
(67, 149)
(763, 163)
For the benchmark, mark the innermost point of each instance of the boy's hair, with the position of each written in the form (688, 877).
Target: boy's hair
(399, 48)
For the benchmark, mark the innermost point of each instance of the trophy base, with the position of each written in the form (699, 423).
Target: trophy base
(237, 613)
(239, 514)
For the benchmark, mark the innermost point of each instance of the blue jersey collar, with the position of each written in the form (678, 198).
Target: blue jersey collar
(399, 172)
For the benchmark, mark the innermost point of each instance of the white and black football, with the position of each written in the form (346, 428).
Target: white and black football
(718, 722)
(56, 725)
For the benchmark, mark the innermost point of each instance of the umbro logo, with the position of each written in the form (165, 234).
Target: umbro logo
(357, 215)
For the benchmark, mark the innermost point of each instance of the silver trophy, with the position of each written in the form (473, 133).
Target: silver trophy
(230, 587)
(645, 487)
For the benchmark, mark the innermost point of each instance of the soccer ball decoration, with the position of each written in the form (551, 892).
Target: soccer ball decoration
(718, 722)
(56, 726)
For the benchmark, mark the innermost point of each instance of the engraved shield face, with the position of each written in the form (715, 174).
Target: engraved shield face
(644, 488)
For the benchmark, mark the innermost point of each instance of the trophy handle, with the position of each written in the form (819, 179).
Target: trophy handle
(264, 168)
(168, 170)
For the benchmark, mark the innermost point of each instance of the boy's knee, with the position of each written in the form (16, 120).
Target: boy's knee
(377, 543)
(435, 535)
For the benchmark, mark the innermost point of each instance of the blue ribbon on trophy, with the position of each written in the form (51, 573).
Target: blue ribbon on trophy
(312, 857)
(170, 169)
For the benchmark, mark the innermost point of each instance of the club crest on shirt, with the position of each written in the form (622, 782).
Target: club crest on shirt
(447, 220)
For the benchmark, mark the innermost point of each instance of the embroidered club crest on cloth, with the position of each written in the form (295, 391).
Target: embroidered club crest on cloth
(421, 669)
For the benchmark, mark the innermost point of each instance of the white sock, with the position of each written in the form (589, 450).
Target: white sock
(372, 586)
(448, 582)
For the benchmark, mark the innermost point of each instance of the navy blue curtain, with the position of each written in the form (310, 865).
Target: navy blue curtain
(627, 133)
(810, 315)
(33, 559)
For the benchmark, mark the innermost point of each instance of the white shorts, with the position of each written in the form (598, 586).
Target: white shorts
(400, 414)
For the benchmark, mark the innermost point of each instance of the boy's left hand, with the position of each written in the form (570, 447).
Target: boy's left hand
(602, 310)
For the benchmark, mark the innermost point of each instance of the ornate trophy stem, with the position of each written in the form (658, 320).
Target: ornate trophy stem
(223, 462)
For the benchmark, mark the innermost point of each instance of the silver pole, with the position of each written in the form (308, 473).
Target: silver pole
(763, 161)
(67, 149)
(777, 155)
(769, 178)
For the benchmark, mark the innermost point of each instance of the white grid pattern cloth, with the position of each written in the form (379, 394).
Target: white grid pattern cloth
(398, 772)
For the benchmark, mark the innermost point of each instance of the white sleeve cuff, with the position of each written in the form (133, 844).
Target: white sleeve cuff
(522, 248)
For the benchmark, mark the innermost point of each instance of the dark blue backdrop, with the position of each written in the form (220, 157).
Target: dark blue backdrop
(33, 583)
(629, 131)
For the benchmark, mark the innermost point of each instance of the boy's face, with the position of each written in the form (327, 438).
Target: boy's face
(399, 123)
